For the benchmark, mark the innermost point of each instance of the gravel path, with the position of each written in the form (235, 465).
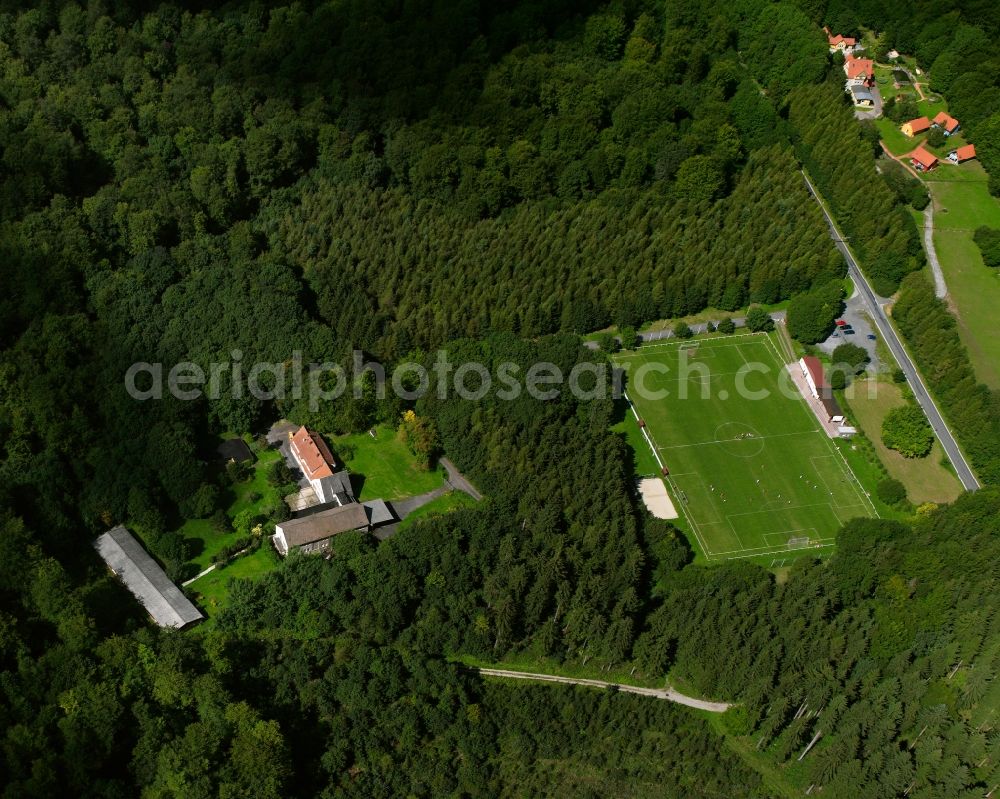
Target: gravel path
(940, 289)
(659, 693)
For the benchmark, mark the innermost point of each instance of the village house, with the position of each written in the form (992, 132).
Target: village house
(915, 126)
(318, 466)
(962, 154)
(840, 44)
(812, 370)
(147, 581)
(946, 123)
(922, 160)
(859, 71)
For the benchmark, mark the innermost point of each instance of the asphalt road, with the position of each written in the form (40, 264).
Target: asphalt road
(923, 397)
(659, 693)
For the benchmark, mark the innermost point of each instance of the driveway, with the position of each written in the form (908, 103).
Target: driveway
(459, 481)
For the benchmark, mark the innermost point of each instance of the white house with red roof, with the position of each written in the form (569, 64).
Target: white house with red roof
(318, 466)
(966, 153)
(946, 122)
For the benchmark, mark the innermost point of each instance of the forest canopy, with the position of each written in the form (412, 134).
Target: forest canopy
(186, 183)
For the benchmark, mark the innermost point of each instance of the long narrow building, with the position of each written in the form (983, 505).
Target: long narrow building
(144, 577)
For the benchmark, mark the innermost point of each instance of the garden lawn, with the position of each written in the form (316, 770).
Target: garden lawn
(211, 592)
(960, 206)
(385, 465)
(203, 540)
(894, 139)
(926, 479)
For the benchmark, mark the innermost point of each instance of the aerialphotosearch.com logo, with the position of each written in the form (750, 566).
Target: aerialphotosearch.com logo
(470, 380)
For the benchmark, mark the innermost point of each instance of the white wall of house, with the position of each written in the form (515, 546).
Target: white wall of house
(279, 540)
(809, 378)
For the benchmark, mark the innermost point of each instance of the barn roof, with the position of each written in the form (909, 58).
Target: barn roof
(144, 577)
(326, 523)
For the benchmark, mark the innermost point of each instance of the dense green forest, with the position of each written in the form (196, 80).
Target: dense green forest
(181, 182)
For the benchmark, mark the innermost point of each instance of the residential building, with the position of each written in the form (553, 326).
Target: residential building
(315, 531)
(946, 123)
(841, 44)
(860, 71)
(962, 154)
(915, 126)
(143, 576)
(922, 160)
(318, 466)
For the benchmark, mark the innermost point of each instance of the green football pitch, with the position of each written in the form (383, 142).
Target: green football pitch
(750, 468)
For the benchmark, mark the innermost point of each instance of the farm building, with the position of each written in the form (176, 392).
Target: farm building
(946, 123)
(922, 160)
(962, 154)
(147, 581)
(312, 533)
(915, 126)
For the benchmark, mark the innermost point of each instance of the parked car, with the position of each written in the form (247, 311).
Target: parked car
(849, 332)
(872, 337)
(842, 323)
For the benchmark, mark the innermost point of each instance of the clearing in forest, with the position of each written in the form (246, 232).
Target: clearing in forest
(750, 468)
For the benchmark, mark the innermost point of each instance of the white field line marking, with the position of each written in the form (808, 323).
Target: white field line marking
(728, 440)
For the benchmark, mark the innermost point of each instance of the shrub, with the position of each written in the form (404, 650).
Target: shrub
(851, 355)
(906, 431)
(279, 474)
(891, 491)
(727, 327)
(201, 503)
(683, 330)
(238, 472)
(898, 375)
(936, 137)
(709, 327)
(759, 320)
(606, 341)
(220, 522)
